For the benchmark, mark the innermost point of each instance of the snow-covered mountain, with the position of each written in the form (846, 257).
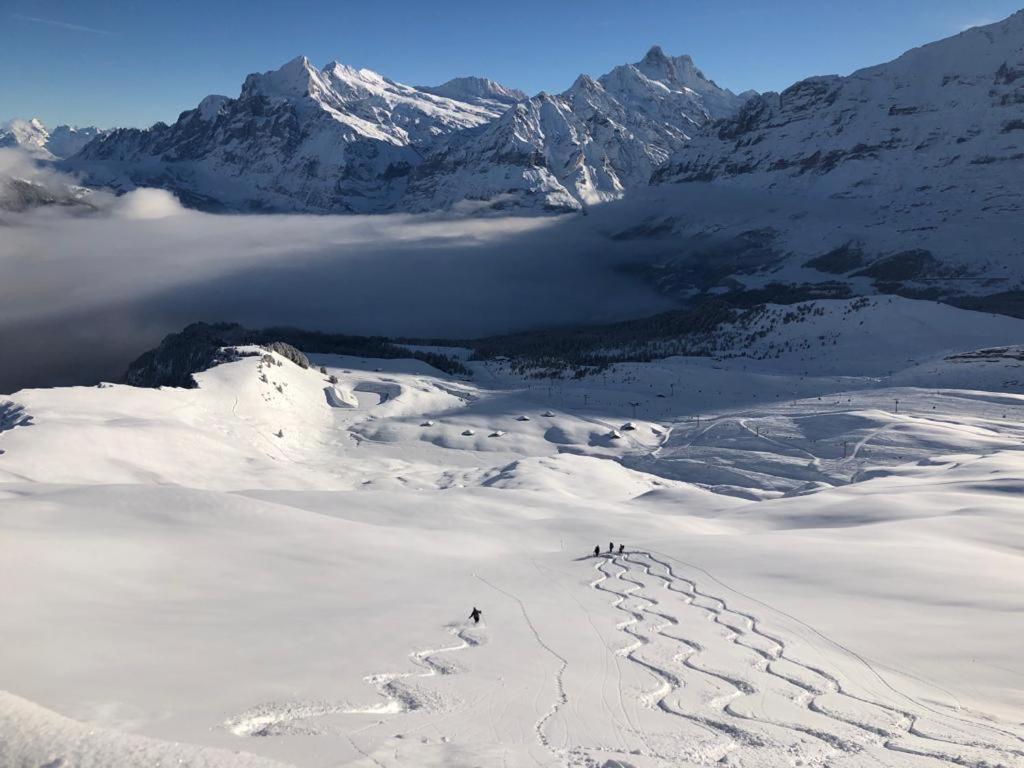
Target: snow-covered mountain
(298, 138)
(930, 139)
(346, 140)
(476, 90)
(586, 145)
(34, 137)
(29, 135)
(903, 177)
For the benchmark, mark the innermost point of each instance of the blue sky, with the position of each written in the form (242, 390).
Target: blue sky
(132, 62)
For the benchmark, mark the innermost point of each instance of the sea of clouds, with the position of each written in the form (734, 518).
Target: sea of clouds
(85, 288)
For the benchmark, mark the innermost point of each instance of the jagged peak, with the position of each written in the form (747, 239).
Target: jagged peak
(585, 83)
(657, 65)
(209, 107)
(656, 53)
(18, 123)
(293, 78)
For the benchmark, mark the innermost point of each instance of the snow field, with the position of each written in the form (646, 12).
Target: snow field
(253, 569)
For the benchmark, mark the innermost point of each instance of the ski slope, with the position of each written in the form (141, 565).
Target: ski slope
(274, 569)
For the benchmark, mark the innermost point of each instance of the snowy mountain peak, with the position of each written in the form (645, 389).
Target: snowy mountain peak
(297, 138)
(678, 75)
(211, 106)
(472, 89)
(584, 83)
(34, 137)
(31, 135)
(657, 65)
(655, 54)
(290, 80)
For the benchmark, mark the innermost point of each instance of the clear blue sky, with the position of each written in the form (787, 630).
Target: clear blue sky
(132, 62)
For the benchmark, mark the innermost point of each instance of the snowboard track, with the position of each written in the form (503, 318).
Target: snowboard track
(743, 630)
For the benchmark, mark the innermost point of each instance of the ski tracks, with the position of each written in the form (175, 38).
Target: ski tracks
(397, 692)
(735, 693)
(561, 697)
(747, 686)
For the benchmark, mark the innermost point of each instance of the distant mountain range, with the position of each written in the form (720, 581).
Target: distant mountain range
(340, 139)
(40, 142)
(900, 178)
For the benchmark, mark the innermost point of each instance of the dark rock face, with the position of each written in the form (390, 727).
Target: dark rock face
(907, 265)
(839, 261)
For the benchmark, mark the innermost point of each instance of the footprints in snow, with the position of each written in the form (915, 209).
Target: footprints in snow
(397, 691)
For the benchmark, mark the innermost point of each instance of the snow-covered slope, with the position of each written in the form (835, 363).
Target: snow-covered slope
(66, 140)
(338, 139)
(476, 90)
(586, 145)
(33, 137)
(278, 565)
(924, 152)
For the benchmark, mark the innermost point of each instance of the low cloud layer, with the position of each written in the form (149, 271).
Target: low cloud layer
(83, 291)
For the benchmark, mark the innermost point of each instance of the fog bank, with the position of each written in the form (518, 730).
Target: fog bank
(85, 291)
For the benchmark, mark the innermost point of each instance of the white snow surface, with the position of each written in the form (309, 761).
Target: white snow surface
(275, 569)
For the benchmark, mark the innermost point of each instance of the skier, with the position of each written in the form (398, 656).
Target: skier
(611, 546)
(475, 615)
(597, 551)
(622, 548)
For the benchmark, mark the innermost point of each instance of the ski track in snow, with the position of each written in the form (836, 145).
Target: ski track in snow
(738, 684)
(841, 722)
(286, 718)
(561, 697)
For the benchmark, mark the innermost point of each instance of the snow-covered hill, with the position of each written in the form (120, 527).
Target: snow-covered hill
(44, 144)
(276, 567)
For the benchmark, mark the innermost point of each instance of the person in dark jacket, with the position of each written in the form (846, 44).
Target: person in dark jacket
(475, 615)
(611, 546)
(622, 548)
(597, 551)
